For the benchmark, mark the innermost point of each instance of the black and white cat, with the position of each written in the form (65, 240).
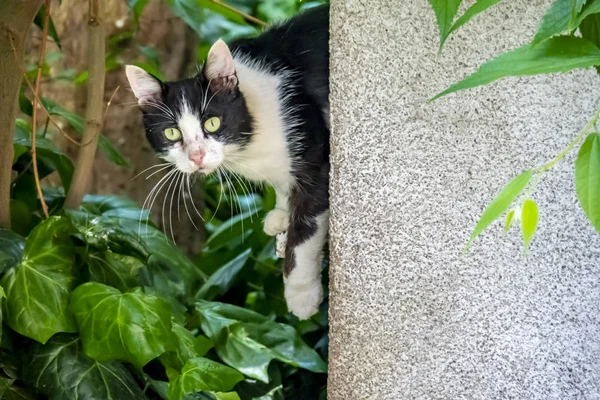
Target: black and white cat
(259, 107)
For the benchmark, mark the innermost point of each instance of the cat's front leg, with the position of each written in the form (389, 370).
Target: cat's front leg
(304, 254)
(278, 219)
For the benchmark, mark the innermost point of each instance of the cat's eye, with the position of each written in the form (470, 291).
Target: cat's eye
(172, 134)
(212, 124)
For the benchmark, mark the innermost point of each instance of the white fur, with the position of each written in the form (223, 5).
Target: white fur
(303, 290)
(277, 221)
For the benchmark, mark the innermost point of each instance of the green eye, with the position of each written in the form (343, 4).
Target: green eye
(212, 124)
(172, 134)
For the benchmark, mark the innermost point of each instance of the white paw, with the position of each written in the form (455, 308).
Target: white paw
(303, 300)
(277, 221)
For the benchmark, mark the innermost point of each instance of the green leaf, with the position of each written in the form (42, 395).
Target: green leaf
(39, 21)
(11, 249)
(478, 7)
(131, 327)
(590, 7)
(78, 123)
(559, 54)
(249, 341)
(587, 178)
(37, 289)
(501, 203)
(167, 270)
(445, 11)
(230, 231)
(555, 22)
(2, 296)
(117, 270)
(202, 374)
(10, 391)
(576, 6)
(529, 220)
(277, 10)
(137, 6)
(47, 153)
(590, 29)
(60, 370)
(185, 348)
(509, 219)
(224, 278)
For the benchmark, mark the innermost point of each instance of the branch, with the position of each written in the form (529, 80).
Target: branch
(94, 108)
(243, 14)
(36, 92)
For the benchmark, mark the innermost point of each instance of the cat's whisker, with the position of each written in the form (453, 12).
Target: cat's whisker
(244, 188)
(179, 196)
(165, 180)
(192, 199)
(239, 204)
(156, 172)
(148, 200)
(220, 196)
(152, 167)
(204, 102)
(175, 181)
(164, 225)
(211, 97)
(254, 170)
(181, 189)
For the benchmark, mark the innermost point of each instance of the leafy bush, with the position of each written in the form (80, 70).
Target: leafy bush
(98, 303)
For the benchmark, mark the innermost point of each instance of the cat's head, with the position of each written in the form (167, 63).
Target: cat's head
(194, 123)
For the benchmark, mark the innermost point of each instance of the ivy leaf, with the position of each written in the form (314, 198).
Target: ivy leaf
(590, 7)
(224, 278)
(185, 348)
(529, 220)
(61, 371)
(556, 20)
(11, 248)
(39, 21)
(10, 391)
(131, 327)
(229, 231)
(37, 289)
(117, 270)
(77, 122)
(587, 178)
(167, 270)
(479, 7)
(202, 374)
(501, 203)
(249, 341)
(559, 54)
(445, 11)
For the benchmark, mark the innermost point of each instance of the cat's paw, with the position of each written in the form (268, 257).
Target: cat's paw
(303, 299)
(277, 221)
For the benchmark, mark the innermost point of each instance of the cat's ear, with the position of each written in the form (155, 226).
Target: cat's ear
(146, 88)
(219, 68)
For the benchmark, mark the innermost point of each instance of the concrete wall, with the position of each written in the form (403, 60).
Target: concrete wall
(410, 318)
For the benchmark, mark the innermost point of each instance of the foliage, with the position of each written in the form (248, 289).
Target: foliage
(98, 303)
(554, 48)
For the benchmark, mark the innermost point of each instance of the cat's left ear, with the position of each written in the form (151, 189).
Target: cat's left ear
(219, 68)
(146, 88)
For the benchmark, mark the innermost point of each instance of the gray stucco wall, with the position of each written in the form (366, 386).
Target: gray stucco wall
(410, 318)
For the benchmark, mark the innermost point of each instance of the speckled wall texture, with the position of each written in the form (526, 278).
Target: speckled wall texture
(411, 318)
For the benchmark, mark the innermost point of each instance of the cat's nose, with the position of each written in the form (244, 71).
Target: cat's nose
(197, 157)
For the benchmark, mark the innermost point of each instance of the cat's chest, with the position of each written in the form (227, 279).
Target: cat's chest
(273, 168)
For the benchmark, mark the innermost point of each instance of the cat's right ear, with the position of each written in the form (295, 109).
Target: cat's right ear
(146, 88)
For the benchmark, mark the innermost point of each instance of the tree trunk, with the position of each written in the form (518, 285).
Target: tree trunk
(94, 105)
(16, 16)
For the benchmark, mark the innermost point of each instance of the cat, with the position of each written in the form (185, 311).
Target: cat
(259, 106)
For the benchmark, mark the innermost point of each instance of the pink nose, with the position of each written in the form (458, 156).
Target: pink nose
(197, 157)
